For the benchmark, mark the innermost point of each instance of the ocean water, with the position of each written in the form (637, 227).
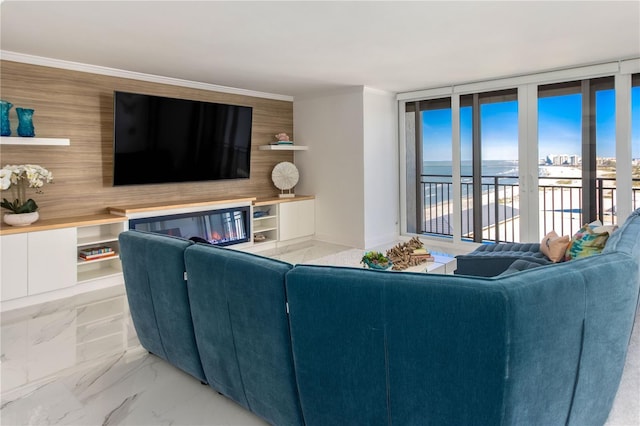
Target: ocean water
(506, 170)
(489, 168)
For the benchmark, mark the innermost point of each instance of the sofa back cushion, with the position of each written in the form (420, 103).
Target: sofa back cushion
(153, 267)
(397, 348)
(239, 315)
(572, 324)
(612, 283)
(626, 239)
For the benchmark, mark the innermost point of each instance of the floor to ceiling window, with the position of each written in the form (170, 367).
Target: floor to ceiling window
(429, 126)
(489, 165)
(576, 146)
(480, 145)
(559, 151)
(604, 119)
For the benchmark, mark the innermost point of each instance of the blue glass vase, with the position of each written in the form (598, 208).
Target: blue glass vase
(25, 122)
(5, 126)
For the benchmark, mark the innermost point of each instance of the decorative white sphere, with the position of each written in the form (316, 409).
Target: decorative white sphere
(285, 175)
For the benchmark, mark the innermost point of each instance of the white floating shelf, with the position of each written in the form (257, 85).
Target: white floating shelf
(8, 140)
(264, 229)
(283, 148)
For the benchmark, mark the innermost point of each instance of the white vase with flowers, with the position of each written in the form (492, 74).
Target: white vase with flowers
(16, 180)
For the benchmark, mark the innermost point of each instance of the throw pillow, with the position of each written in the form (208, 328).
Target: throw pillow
(605, 228)
(554, 246)
(586, 242)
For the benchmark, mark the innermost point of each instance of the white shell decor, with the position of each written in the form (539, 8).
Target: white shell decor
(285, 176)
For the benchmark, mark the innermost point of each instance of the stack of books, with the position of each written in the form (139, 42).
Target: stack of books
(281, 143)
(93, 253)
(422, 254)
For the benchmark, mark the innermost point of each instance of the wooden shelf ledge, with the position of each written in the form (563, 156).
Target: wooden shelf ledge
(151, 207)
(276, 200)
(63, 222)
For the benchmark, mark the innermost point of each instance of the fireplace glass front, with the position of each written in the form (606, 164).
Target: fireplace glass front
(219, 227)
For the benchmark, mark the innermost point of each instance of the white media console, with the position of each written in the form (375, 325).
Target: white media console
(42, 262)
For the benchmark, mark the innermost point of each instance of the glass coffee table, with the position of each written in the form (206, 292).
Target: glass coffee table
(442, 263)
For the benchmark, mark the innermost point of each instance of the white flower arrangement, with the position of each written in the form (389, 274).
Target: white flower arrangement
(18, 179)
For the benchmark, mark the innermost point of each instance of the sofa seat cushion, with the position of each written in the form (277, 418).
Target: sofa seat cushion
(524, 264)
(490, 260)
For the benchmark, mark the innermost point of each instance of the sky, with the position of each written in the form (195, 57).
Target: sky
(559, 128)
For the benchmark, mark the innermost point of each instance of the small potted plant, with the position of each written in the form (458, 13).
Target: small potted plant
(376, 260)
(17, 179)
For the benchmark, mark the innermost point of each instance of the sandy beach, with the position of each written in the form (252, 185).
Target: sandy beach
(573, 172)
(563, 172)
(560, 197)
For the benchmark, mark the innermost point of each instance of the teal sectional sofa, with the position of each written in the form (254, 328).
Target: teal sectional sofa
(320, 345)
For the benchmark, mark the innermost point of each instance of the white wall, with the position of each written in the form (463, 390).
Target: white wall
(352, 164)
(331, 124)
(381, 168)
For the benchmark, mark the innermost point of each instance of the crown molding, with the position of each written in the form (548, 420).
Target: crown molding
(630, 66)
(114, 72)
(624, 66)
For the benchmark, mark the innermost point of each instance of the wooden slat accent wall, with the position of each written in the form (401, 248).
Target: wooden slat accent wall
(79, 106)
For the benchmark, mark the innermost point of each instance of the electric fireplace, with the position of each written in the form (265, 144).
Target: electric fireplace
(222, 227)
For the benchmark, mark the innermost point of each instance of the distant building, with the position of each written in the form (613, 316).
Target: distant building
(562, 160)
(574, 160)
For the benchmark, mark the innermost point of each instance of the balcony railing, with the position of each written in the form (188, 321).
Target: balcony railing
(560, 201)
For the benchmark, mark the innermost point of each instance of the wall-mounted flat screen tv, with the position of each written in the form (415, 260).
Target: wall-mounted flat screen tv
(163, 140)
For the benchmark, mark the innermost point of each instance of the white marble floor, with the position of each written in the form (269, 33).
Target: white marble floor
(135, 389)
(78, 362)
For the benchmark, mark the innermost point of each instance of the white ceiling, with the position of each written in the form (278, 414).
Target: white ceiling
(294, 48)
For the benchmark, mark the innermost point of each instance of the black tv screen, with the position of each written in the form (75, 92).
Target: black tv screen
(162, 140)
